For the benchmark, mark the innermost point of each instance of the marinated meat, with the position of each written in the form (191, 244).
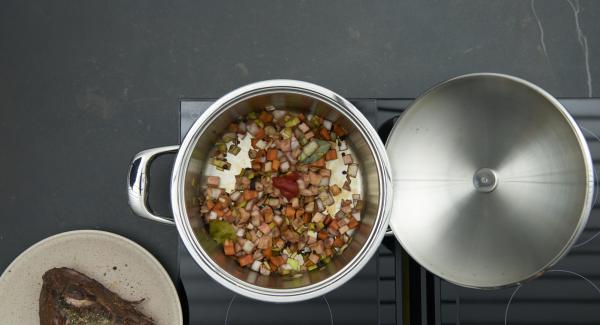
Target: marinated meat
(69, 297)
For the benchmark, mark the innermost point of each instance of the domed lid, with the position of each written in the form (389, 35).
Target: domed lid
(492, 180)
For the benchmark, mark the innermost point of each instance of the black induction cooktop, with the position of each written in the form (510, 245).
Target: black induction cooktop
(393, 289)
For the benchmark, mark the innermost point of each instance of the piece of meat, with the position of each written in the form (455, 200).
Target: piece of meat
(69, 297)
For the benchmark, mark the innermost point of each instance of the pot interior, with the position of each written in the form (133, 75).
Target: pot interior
(199, 164)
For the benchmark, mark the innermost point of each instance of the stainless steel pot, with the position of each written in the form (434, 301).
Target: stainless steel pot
(493, 180)
(492, 183)
(192, 158)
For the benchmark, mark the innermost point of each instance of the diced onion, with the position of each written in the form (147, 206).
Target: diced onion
(235, 196)
(252, 128)
(352, 170)
(248, 246)
(261, 144)
(255, 266)
(278, 114)
(324, 181)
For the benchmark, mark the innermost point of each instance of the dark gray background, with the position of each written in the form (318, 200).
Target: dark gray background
(84, 85)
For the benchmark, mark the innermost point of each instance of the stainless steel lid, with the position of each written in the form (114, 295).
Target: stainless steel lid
(492, 180)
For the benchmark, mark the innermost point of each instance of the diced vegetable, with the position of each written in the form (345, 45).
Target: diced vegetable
(339, 130)
(248, 246)
(213, 181)
(275, 165)
(347, 159)
(276, 219)
(265, 117)
(314, 150)
(221, 231)
(346, 186)
(249, 195)
(303, 127)
(331, 155)
(271, 154)
(245, 260)
(234, 150)
(308, 150)
(318, 217)
(292, 122)
(228, 247)
(335, 190)
(352, 170)
(324, 134)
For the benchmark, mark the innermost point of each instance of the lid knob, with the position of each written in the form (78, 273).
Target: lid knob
(485, 180)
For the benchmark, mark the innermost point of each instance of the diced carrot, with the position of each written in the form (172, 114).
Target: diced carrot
(264, 228)
(275, 165)
(290, 212)
(277, 260)
(228, 247)
(259, 134)
(301, 117)
(267, 252)
(339, 130)
(338, 242)
(219, 211)
(307, 217)
(322, 235)
(249, 195)
(267, 213)
(210, 204)
(319, 163)
(299, 212)
(253, 142)
(331, 155)
(256, 165)
(273, 266)
(245, 260)
(213, 181)
(271, 154)
(265, 117)
(353, 223)
(325, 134)
(334, 225)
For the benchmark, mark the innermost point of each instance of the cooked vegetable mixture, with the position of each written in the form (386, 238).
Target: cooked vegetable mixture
(276, 217)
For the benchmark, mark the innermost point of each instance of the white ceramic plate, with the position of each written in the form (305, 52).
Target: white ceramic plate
(118, 263)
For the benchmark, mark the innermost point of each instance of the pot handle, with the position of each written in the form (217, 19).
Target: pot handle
(138, 182)
(389, 232)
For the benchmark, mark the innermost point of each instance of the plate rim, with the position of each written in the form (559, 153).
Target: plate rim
(132, 243)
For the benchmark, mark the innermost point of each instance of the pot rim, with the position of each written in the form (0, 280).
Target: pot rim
(235, 284)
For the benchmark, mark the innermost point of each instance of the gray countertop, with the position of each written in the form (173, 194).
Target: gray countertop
(84, 85)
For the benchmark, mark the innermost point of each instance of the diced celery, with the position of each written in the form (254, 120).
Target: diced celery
(233, 149)
(292, 122)
(293, 263)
